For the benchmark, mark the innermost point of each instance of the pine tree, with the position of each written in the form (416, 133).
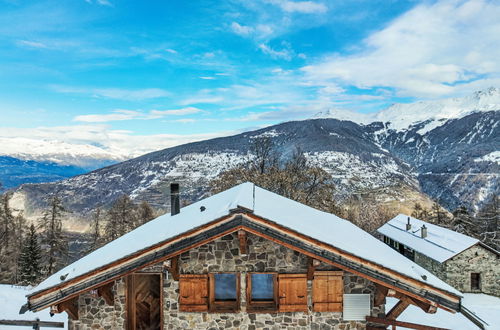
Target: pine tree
(145, 213)
(52, 235)
(29, 261)
(12, 229)
(121, 218)
(488, 223)
(96, 237)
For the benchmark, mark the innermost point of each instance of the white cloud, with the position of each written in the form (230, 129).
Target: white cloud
(303, 7)
(101, 2)
(118, 115)
(115, 93)
(285, 53)
(207, 78)
(171, 51)
(119, 143)
(241, 29)
(432, 50)
(32, 44)
(115, 116)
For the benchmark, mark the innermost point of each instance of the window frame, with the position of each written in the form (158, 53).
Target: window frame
(259, 306)
(226, 306)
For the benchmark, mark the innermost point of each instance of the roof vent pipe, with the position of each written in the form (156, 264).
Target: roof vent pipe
(408, 225)
(174, 199)
(423, 231)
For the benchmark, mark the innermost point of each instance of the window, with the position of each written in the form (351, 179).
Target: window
(224, 292)
(328, 288)
(475, 281)
(261, 291)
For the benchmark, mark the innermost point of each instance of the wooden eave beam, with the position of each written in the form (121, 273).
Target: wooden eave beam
(398, 309)
(69, 306)
(408, 325)
(174, 267)
(242, 237)
(380, 294)
(106, 292)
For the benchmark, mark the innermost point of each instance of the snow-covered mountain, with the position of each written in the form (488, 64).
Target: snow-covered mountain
(454, 161)
(401, 116)
(25, 160)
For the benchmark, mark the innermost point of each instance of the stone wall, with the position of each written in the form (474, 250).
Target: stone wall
(223, 255)
(475, 259)
(431, 265)
(94, 313)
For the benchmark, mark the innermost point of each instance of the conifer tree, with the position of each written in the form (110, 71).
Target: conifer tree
(52, 236)
(12, 229)
(96, 237)
(29, 261)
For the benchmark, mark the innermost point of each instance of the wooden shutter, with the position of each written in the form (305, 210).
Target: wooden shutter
(193, 293)
(292, 292)
(328, 289)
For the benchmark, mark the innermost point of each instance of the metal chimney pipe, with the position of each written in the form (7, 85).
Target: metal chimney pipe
(408, 225)
(423, 231)
(174, 199)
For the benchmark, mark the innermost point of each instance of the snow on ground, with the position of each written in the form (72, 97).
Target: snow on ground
(11, 300)
(491, 157)
(484, 306)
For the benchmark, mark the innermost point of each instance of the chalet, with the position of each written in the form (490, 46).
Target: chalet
(245, 258)
(461, 261)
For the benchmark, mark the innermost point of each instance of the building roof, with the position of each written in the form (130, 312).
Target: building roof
(260, 204)
(440, 244)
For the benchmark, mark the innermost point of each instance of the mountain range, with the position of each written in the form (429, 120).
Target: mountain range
(447, 150)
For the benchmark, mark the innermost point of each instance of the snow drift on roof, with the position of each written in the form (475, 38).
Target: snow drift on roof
(316, 224)
(440, 244)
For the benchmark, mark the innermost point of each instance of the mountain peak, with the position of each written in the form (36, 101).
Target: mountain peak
(403, 115)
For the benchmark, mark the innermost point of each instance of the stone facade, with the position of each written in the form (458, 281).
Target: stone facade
(457, 270)
(223, 255)
(475, 259)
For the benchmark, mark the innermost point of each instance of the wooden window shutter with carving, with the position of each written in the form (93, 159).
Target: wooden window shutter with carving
(193, 293)
(328, 289)
(292, 292)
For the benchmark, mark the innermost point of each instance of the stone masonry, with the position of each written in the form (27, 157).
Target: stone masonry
(222, 255)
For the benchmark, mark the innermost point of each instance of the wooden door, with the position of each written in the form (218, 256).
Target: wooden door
(144, 302)
(292, 292)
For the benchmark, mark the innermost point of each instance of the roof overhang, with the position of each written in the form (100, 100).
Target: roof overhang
(254, 224)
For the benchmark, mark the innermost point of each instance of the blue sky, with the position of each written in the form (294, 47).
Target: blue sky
(169, 72)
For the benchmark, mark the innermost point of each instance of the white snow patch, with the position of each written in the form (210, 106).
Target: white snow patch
(493, 157)
(11, 300)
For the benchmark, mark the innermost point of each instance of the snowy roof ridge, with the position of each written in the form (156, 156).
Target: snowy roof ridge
(321, 226)
(440, 244)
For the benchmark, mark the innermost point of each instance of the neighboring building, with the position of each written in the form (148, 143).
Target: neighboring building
(245, 258)
(461, 261)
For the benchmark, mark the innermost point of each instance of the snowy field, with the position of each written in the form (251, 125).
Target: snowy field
(484, 306)
(11, 300)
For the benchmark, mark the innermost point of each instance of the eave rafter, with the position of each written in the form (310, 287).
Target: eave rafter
(246, 223)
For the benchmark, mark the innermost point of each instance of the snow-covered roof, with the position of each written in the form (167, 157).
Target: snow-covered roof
(322, 226)
(440, 244)
(485, 307)
(11, 300)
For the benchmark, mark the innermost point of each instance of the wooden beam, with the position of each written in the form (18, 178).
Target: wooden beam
(69, 306)
(398, 309)
(49, 324)
(174, 267)
(430, 308)
(310, 268)
(380, 295)
(242, 236)
(106, 292)
(395, 323)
